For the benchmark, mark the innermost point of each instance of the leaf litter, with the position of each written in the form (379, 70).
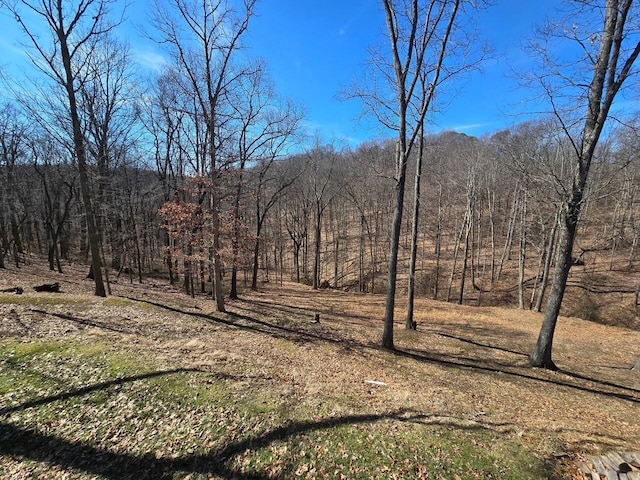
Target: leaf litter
(237, 380)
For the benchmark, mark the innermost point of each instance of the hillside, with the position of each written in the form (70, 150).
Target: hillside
(151, 383)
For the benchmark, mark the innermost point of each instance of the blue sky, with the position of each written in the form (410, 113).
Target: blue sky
(315, 49)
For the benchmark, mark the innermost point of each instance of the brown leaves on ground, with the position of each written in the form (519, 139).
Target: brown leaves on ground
(463, 367)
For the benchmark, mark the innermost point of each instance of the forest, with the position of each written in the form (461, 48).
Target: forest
(193, 284)
(487, 227)
(205, 174)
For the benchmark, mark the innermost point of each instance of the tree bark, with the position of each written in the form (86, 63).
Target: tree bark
(80, 151)
(438, 246)
(316, 247)
(465, 254)
(549, 252)
(541, 356)
(605, 84)
(410, 323)
(409, 42)
(396, 226)
(522, 256)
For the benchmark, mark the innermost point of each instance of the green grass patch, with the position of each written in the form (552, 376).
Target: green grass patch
(95, 413)
(117, 302)
(363, 448)
(40, 300)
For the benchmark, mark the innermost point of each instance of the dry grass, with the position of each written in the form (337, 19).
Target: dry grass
(464, 368)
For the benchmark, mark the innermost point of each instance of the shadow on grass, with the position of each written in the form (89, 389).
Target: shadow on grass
(474, 365)
(79, 392)
(598, 381)
(252, 324)
(83, 321)
(13, 315)
(483, 345)
(480, 365)
(35, 446)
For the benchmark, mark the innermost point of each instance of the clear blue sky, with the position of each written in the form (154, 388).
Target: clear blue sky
(316, 48)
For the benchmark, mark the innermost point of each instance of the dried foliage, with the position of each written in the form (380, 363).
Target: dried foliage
(150, 383)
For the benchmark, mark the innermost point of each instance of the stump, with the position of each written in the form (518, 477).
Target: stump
(16, 290)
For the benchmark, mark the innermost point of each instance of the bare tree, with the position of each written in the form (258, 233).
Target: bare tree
(269, 186)
(266, 125)
(204, 38)
(322, 188)
(76, 28)
(297, 220)
(410, 323)
(13, 138)
(109, 108)
(610, 49)
(58, 193)
(420, 34)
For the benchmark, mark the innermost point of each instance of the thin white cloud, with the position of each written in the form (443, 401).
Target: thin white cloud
(150, 59)
(467, 127)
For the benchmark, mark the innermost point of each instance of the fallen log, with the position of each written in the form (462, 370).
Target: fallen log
(16, 290)
(47, 287)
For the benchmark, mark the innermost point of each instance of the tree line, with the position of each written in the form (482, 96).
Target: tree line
(488, 226)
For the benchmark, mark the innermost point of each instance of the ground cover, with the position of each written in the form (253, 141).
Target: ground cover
(150, 383)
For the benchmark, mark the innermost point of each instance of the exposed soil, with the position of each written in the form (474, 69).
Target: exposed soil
(464, 366)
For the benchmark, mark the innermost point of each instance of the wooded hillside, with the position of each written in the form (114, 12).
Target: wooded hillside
(204, 173)
(487, 227)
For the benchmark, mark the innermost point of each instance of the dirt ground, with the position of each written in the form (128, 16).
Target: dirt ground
(464, 366)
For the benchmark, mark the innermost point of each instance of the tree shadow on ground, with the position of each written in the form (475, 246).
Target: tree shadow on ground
(481, 364)
(598, 381)
(14, 316)
(86, 322)
(309, 311)
(527, 374)
(483, 345)
(35, 446)
(79, 392)
(251, 323)
(304, 315)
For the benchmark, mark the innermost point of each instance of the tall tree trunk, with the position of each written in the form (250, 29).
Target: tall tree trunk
(217, 261)
(396, 226)
(475, 265)
(235, 242)
(539, 270)
(541, 356)
(456, 250)
(409, 66)
(550, 250)
(256, 246)
(4, 243)
(438, 247)
(361, 249)
(506, 252)
(492, 233)
(410, 323)
(608, 78)
(465, 255)
(81, 158)
(317, 244)
(523, 249)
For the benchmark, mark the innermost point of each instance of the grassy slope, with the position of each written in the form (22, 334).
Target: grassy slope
(153, 384)
(70, 407)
